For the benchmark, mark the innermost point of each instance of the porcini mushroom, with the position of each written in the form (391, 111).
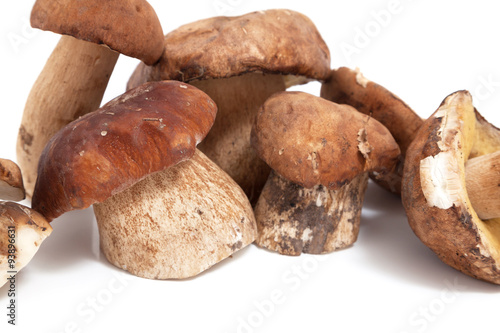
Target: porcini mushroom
(347, 86)
(320, 153)
(22, 231)
(455, 151)
(160, 214)
(239, 62)
(11, 181)
(76, 74)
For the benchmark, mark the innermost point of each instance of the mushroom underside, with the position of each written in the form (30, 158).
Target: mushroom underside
(434, 189)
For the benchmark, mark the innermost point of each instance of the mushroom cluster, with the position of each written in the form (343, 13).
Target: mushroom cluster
(206, 152)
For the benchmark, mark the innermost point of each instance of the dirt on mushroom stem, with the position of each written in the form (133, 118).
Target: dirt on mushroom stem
(294, 220)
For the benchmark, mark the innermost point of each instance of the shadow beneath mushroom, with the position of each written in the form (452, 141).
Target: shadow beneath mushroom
(389, 244)
(68, 245)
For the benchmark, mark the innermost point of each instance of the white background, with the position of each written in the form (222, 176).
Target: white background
(387, 282)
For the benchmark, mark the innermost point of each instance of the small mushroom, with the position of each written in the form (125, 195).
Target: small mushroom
(163, 209)
(239, 62)
(76, 74)
(11, 181)
(450, 188)
(320, 153)
(347, 86)
(22, 231)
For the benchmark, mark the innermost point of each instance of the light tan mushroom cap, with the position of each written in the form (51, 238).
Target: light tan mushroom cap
(434, 190)
(28, 229)
(271, 41)
(11, 181)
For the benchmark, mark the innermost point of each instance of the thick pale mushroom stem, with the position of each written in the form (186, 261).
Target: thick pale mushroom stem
(482, 179)
(228, 143)
(176, 223)
(71, 84)
(294, 219)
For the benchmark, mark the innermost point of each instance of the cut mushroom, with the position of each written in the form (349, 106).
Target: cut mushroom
(239, 62)
(11, 181)
(347, 86)
(75, 76)
(158, 218)
(320, 153)
(454, 153)
(22, 231)
(482, 180)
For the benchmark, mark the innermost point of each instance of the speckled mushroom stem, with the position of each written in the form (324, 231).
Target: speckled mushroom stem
(292, 219)
(71, 84)
(482, 179)
(176, 223)
(228, 143)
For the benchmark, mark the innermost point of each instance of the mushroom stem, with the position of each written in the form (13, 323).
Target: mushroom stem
(228, 143)
(176, 223)
(71, 84)
(482, 179)
(292, 219)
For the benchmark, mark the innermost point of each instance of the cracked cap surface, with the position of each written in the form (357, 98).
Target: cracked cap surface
(311, 141)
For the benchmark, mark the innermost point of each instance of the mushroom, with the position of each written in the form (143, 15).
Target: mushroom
(160, 214)
(22, 231)
(347, 86)
(11, 181)
(76, 74)
(451, 188)
(239, 62)
(320, 153)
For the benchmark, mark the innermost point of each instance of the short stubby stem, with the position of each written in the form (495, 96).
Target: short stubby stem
(292, 219)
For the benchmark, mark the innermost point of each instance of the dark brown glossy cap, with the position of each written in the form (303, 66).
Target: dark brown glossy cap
(130, 27)
(311, 141)
(143, 131)
(272, 41)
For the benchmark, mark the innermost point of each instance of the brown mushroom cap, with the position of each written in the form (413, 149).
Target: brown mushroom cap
(11, 181)
(312, 141)
(272, 41)
(347, 86)
(143, 131)
(28, 229)
(129, 27)
(434, 188)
